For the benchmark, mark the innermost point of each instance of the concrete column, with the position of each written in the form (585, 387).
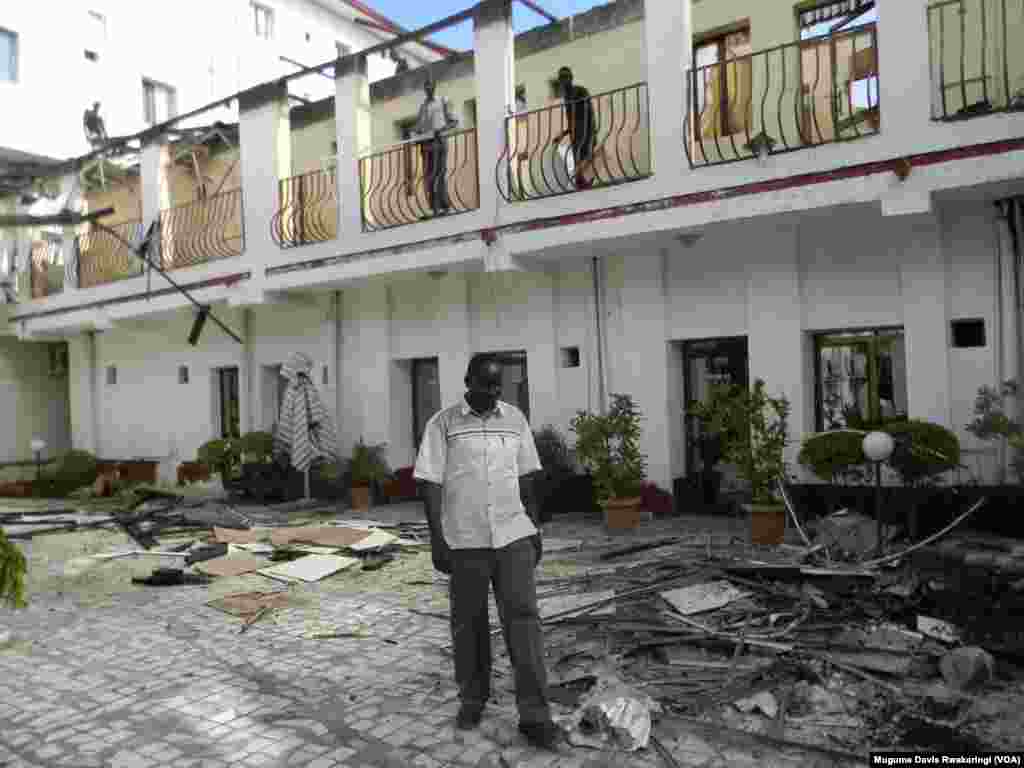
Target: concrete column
(366, 349)
(71, 187)
(264, 136)
(926, 314)
(82, 392)
(638, 352)
(248, 374)
(155, 191)
(776, 343)
(668, 44)
(905, 87)
(354, 136)
(457, 334)
(494, 67)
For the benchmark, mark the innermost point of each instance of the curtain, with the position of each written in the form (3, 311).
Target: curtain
(736, 71)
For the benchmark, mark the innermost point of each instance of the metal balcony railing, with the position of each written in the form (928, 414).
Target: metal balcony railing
(102, 258)
(977, 57)
(400, 185)
(46, 268)
(204, 230)
(596, 142)
(308, 211)
(798, 95)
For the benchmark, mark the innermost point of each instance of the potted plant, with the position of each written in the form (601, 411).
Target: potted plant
(556, 469)
(608, 445)
(753, 430)
(366, 467)
(223, 456)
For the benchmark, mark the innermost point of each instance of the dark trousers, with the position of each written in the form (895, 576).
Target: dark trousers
(435, 173)
(510, 570)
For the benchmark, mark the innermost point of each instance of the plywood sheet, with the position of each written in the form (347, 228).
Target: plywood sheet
(231, 565)
(324, 535)
(309, 568)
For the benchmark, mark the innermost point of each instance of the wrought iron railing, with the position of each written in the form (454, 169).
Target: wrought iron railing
(46, 268)
(798, 95)
(204, 230)
(308, 209)
(595, 142)
(103, 258)
(977, 57)
(399, 185)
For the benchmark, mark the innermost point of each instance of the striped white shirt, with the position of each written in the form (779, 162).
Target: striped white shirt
(478, 459)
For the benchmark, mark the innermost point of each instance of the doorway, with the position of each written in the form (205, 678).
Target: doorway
(228, 402)
(708, 362)
(426, 395)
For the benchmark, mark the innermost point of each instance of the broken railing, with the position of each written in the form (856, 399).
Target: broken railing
(204, 230)
(308, 209)
(103, 258)
(396, 182)
(543, 158)
(46, 268)
(798, 95)
(977, 59)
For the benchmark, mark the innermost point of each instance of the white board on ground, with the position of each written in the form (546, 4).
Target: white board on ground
(309, 568)
(375, 540)
(551, 606)
(698, 598)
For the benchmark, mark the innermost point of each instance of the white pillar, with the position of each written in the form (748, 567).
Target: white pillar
(264, 136)
(71, 187)
(494, 70)
(82, 392)
(905, 86)
(456, 332)
(668, 44)
(926, 315)
(366, 349)
(777, 346)
(354, 135)
(154, 165)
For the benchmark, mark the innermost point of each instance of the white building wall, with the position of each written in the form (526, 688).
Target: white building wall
(32, 403)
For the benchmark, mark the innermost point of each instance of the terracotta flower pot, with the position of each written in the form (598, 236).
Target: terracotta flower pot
(622, 514)
(361, 497)
(767, 523)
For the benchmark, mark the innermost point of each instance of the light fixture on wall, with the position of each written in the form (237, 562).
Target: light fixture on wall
(197, 325)
(761, 147)
(38, 445)
(688, 239)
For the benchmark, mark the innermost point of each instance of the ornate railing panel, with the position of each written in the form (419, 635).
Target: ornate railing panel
(103, 258)
(46, 265)
(798, 95)
(399, 186)
(308, 209)
(977, 57)
(543, 157)
(205, 230)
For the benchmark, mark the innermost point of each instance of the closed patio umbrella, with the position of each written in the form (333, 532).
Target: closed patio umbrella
(304, 428)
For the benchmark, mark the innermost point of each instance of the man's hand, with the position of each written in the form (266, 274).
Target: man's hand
(538, 546)
(441, 554)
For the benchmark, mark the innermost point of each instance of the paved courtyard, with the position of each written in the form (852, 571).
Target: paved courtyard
(154, 677)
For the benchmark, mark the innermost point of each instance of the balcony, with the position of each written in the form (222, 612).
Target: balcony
(205, 230)
(46, 268)
(977, 69)
(308, 209)
(104, 258)
(600, 141)
(795, 96)
(400, 186)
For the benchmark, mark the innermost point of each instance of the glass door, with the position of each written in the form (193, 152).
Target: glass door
(426, 395)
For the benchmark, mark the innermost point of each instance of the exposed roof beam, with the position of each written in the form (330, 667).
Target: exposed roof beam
(537, 9)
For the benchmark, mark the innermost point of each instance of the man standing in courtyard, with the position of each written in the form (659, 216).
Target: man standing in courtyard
(475, 464)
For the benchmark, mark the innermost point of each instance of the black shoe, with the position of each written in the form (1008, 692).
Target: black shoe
(469, 716)
(542, 735)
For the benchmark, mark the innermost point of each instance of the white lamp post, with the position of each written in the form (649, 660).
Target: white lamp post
(38, 446)
(877, 447)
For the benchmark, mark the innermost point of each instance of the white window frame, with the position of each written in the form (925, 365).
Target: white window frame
(11, 35)
(264, 13)
(150, 88)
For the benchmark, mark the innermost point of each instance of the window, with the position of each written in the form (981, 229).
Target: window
(570, 357)
(183, 374)
(111, 375)
(228, 402)
(8, 56)
(861, 378)
(159, 102)
(263, 21)
(95, 35)
(723, 93)
(968, 334)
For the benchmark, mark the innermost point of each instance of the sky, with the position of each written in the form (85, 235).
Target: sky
(413, 14)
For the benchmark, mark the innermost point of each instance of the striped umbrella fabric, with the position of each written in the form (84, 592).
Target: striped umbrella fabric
(304, 428)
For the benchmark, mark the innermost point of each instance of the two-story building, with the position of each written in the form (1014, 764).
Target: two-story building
(824, 195)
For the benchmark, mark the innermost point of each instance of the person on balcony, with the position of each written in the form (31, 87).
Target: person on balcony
(95, 130)
(582, 130)
(435, 117)
(475, 465)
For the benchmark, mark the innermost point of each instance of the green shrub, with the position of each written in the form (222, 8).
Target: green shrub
(257, 447)
(13, 567)
(222, 456)
(368, 464)
(835, 456)
(991, 423)
(609, 446)
(72, 471)
(553, 451)
(923, 450)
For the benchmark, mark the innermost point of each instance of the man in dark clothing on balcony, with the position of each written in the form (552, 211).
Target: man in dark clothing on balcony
(579, 114)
